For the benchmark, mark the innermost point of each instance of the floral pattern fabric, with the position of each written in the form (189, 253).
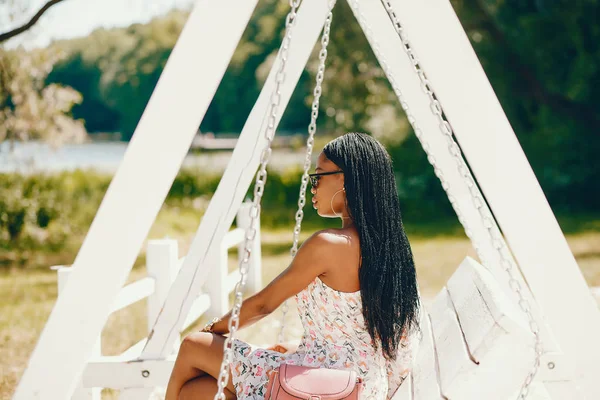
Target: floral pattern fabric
(334, 336)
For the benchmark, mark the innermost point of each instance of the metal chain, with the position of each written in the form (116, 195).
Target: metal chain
(488, 220)
(259, 187)
(312, 128)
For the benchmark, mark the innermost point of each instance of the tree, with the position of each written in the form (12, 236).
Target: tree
(543, 59)
(29, 108)
(4, 36)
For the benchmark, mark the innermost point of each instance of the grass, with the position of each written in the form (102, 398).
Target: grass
(29, 295)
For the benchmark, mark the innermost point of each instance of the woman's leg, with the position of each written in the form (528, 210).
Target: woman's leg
(204, 387)
(200, 354)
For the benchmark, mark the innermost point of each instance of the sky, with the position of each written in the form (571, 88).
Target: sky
(73, 18)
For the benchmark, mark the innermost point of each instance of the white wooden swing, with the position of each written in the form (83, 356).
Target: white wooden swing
(485, 336)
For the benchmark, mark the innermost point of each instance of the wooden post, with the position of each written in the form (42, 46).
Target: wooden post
(255, 267)
(162, 265)
(80, 393)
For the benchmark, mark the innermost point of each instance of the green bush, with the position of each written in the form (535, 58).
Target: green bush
(52, 212)
(47, 211)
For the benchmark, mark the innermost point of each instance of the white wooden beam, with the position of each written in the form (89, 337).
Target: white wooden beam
(508, 182)
(233, 237)
(80, 392)
(135, 195)
(235, 181)
(133, 292)
(113, 372)
(215, 282)
(162, 267)
(199, 307)
(132, 352)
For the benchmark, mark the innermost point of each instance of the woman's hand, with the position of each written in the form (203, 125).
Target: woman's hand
(285, 348)
(278, 348)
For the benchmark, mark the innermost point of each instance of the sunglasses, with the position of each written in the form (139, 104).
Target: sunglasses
(314, 178)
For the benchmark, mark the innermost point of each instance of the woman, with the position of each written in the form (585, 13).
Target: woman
(355, 288)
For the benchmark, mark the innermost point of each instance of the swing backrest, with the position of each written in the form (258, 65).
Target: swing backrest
(475, 342)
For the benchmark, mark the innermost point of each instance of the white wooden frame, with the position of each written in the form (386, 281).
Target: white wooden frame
(162, 264)
(177, 105)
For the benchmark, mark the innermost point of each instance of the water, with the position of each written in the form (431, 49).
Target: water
(31, 157)
(35, 156)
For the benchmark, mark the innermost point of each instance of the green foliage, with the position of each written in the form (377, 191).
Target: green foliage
(54, 211)
(543, 60)
(421, 195)
(541, 57)
(34, 206)
(192, 183)
(117, 71)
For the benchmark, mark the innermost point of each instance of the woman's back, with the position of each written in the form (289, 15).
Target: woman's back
(344, 250)
(335, 334)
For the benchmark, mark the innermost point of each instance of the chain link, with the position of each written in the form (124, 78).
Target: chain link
(488, 221)
(261, 178)
(312, 128)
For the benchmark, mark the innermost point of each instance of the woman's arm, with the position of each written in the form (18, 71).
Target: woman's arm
(252, 311)
(312, 260)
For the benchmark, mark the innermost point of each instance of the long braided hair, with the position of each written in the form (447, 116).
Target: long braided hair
(387, 275)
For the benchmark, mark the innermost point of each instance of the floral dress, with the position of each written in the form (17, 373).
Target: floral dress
(334, 336)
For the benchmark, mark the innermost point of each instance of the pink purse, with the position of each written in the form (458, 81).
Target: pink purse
(297, 382)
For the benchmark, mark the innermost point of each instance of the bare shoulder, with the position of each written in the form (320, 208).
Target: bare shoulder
(341, 256)
(333, 243)
(331, 237)
(319, 255)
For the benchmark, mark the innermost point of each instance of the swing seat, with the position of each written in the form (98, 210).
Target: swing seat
(475, 344)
